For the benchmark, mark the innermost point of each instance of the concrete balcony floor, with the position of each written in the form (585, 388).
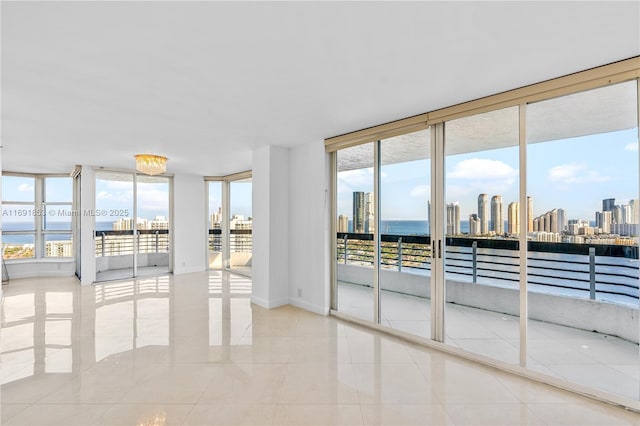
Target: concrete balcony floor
(599, 361)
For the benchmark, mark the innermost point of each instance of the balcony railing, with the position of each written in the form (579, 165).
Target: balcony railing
(565, 268)
(116, 243)
(240, 240)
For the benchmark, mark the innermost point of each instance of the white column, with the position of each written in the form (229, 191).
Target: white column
(189, 231)
(270, 227)
(310, 230)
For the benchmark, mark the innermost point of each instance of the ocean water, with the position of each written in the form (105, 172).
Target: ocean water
(410, 227)
(53, 226)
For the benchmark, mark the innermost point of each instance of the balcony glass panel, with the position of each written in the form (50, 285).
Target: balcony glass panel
(405, 246)
(356, 222)
(240, 226)
(214, 222)
(582, 271)
(481, 245)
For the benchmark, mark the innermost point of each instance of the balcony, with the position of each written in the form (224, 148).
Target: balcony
(240, 249)
(582, 302)
(114, 252)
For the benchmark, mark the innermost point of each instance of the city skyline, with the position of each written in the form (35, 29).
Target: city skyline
(575, 172)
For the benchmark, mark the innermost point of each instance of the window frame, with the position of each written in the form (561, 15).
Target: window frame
(41, 205)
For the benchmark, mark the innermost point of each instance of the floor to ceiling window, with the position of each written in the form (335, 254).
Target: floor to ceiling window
(132, 225)
(405, 246)
(240, 226)
(356, 251)
(509, 228)
(230, 222)
(582, 175)
(214, 224)
(482, 228)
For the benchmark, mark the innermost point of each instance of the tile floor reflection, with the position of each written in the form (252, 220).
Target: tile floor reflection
(191, 349)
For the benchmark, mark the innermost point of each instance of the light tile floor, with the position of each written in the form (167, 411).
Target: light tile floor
(599, 361)
(191, 349)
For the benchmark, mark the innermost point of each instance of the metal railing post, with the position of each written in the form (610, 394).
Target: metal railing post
(102, 239)
(346, 237)
(399, 254)
(157, 236)
(474, 251)
(592, 273)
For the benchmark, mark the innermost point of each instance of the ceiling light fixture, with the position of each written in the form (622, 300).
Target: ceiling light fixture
(150, 164)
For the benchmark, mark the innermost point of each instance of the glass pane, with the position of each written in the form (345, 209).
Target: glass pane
(114, 225)
(355, 231)
(58, 245)
(405, 248)
(19, 217)
(152, 224)
(58, 217)
(582, 272)
(58, 189)
(240, 226)
(214, 232)
(18, 246)
(482, 248)
(18, 188)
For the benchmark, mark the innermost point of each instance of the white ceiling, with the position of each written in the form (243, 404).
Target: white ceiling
(205, 83)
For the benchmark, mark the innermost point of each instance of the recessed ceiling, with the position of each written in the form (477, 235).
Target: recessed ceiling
(206, 83)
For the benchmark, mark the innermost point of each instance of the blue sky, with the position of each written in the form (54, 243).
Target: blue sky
(574, 174)
(240, 198)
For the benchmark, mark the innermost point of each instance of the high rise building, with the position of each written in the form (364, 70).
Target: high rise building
(158, 222)
(474, 224)
(529, 214)
(561, 224)
(634, 207)
(536, 225)
(453, 219)
(497, 220)
(343, 223)
(513, 218)
(369, 219)
(358, 212)
(608, 204)
(483, 213)
(548, 223)
(215, 219)
(603, 222)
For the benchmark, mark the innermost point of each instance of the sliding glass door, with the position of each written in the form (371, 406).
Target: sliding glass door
(132, 225)
(356, 224)
(482, 251)
(230, 223)
(511, 233)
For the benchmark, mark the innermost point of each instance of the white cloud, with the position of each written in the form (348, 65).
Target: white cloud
(477, 175)
(633, 146)
(104, 195)
(482, 169)
(420, 191)
(574, 173)
(153, 200)
(25, 187)
(355, 179)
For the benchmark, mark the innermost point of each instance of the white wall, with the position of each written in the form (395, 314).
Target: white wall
(308, 225)
(271, 226)
(189, 229)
